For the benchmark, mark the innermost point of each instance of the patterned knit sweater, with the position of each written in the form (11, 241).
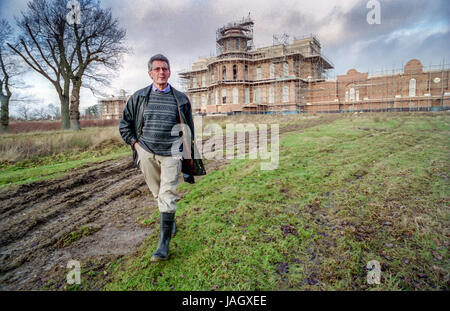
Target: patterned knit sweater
(160, 115)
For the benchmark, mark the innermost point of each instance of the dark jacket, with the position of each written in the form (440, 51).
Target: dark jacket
(132, 121)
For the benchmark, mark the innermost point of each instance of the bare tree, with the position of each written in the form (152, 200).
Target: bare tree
(54, 111)
(92, 112)
(40, 113)
(10, 73)
(98, 49)
(42, 43)
(66, 50)
(23, 110)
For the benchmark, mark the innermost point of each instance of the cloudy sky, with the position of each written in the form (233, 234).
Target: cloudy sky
(184, 30)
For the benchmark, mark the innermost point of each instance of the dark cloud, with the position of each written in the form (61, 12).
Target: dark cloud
(395, 16)
(185, 31)
(351, 42)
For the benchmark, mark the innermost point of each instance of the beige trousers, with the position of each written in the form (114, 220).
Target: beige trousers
(161, 175)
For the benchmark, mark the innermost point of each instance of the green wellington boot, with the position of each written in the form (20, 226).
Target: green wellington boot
(165, 234)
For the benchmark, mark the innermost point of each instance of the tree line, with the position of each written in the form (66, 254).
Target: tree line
(72, 44)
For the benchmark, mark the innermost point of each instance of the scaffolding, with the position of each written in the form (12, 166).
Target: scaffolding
(273, 74)
(242, 29)
(294, 77)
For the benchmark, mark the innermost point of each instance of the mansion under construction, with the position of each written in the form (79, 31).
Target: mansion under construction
(292, 78)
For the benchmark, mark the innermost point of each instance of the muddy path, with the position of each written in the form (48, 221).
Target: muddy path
(106, 198)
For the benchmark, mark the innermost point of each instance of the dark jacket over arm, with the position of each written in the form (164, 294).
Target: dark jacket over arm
(127, 126)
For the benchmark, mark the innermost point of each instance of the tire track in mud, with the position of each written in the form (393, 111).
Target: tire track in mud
(110, 194)
(87, 215)
(49, 206)
(19, 197)
(54, 219)
(20, 225)
(32, 225)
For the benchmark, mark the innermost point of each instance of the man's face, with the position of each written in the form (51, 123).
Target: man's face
(160, 72)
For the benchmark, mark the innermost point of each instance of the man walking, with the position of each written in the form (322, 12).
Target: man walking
(147, 122)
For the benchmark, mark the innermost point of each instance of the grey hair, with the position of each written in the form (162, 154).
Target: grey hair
(157, 57)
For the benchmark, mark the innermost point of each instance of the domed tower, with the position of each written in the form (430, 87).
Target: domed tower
(235, 37)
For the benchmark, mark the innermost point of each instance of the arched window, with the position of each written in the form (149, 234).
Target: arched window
(224, 96)
(234, 72)
(352, 94)
(238, 45)
(235, 95)
(412, 88)
(246, 72)
(258, 73)
(258, 95)
(271, 95)
(272, 71)
(224, 73)
(203, 100)
(285, 94)
(194, 101)
(247, 95)
(285, 69)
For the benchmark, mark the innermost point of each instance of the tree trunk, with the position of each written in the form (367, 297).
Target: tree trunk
(5, 113)
(74, 107)
(65, 118)
(64, 99)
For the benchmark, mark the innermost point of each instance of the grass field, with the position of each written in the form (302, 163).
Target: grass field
(36, 156)
(362, 188)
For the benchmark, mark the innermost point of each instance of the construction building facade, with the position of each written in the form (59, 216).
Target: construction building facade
(293, 78)
(111, 107)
